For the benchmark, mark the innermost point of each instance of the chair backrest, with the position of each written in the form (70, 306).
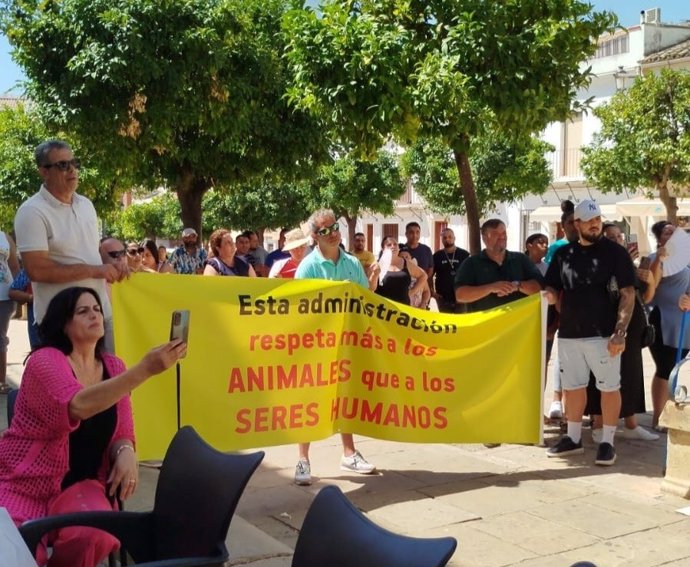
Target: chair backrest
(197, 493)
(336, 534)
(11, 400)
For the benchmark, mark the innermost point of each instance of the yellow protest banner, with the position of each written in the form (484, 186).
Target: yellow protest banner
(274, 361)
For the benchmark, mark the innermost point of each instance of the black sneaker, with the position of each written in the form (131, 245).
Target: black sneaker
(606, 455)
(566, 446)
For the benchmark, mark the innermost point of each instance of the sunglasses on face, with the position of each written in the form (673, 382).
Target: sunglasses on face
(326, 230)
(115, 254)
(135, 251)
(64, 165)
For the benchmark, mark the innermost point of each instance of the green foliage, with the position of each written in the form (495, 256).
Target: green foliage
(158, 217)
(442, 68)
(21, 130)
(20, 133)
(351, 186)
(504, 171)
(256, 206)
(644, 141)
(183, 94)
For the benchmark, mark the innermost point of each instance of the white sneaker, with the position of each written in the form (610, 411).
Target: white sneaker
(303, 473)
(356, 463)
(597, 435)
(556, 410)
(639, 433)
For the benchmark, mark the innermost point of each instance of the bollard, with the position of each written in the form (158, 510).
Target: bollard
(676, 418)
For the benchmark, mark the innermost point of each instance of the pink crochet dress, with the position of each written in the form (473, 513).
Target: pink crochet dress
(34, 451)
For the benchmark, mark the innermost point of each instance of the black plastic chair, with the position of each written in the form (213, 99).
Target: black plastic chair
(196, 497)
(337, 534)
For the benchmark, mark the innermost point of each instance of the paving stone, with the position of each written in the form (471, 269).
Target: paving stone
(535, 534)
(594, 520)
(409, 516)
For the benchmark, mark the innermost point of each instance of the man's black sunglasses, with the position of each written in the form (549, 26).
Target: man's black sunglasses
(64, 165)
(115, 254)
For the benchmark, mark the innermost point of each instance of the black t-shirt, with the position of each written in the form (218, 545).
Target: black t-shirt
(423, 255)
(445, 267)
(585, 275)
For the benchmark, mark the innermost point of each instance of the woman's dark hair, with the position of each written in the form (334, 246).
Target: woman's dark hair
(60, 312)
(383, 244)
(150, 245)
(658, 228)
(534, 237)
(567, 208)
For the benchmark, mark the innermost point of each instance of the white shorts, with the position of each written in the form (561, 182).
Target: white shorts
(576, 357)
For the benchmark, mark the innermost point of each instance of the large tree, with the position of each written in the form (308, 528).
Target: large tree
(186, 94)
(504, 171)
(441, 68)
(350, 186)
(644, 141)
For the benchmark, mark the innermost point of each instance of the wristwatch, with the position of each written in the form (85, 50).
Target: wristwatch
(620, 333)
(517, 285)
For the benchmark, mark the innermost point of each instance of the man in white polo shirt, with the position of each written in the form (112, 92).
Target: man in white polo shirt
(57, 235)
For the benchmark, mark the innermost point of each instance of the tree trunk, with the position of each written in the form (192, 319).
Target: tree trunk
(190, 192)
(669, 202)
(469, 195)
(351, 228)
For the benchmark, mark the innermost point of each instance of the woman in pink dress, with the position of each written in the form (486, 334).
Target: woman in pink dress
(70, 446)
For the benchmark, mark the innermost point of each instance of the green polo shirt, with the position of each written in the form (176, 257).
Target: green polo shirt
(315, 266)
(480, 270)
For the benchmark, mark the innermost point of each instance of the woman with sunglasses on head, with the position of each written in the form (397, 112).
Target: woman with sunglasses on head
(395, 282)
(149, 259)
(223, 260)
(70, 446)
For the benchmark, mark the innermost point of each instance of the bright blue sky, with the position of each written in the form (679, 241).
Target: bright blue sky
(628, 12)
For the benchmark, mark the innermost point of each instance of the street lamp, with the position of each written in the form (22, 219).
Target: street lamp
(620, 77)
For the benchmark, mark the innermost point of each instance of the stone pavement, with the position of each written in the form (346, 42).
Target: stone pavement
(506, 506)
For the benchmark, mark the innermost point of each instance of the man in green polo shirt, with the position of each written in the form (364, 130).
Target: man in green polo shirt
(330, 262)
(495, 276)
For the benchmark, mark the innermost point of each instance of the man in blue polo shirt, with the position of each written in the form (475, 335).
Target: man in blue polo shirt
(329, 262)
(495, 276)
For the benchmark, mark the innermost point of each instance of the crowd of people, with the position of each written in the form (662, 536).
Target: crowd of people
(71, 443)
